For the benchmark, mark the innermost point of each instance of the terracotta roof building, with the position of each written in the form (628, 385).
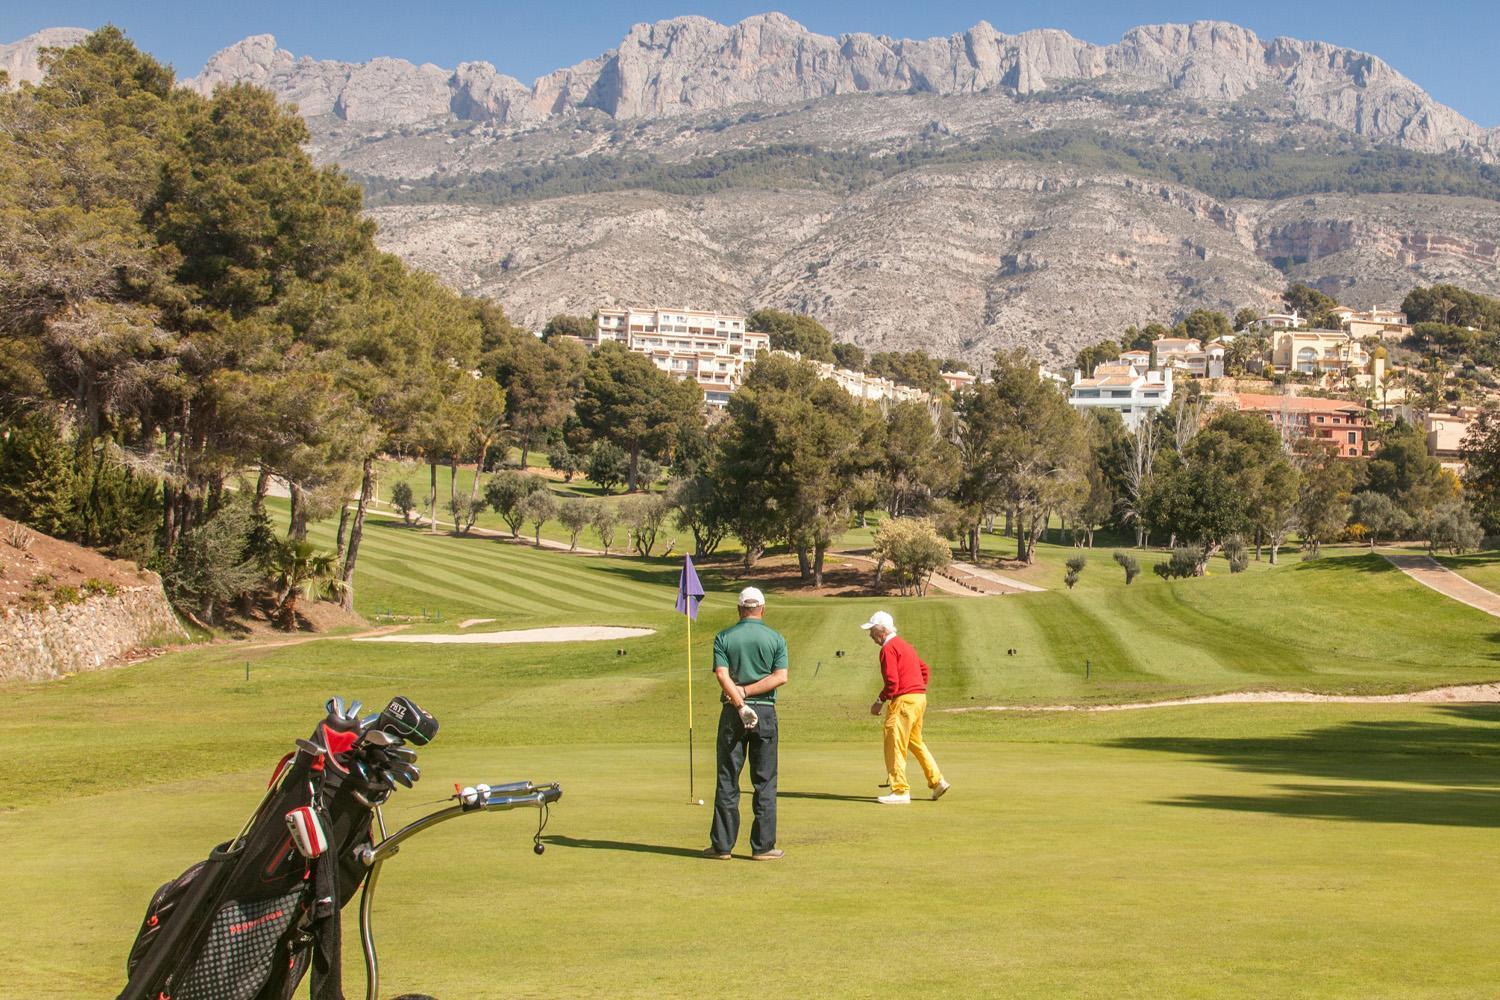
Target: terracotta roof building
(1337, 423)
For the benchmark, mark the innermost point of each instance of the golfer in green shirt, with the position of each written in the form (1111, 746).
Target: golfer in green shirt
(750, 664)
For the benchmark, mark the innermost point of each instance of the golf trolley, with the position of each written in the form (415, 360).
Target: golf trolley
(251, 921)
(479, 798)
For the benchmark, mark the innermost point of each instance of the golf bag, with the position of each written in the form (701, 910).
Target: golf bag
(250, 921)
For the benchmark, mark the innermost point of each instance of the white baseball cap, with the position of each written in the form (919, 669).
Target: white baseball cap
(882, 619)
(751, 597)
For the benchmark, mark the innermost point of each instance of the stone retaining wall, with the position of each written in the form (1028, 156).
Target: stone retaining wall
(89, 635)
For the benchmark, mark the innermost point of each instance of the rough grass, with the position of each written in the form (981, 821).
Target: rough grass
(1255, 850)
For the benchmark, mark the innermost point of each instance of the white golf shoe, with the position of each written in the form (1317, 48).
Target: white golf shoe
(940, 790)
(894, 799)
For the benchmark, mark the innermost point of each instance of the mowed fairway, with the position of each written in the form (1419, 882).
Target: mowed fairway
(1228, 850)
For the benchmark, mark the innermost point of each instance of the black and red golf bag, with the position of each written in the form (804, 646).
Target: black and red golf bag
(250, 921)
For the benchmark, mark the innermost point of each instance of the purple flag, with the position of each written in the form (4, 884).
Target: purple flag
(689, 590)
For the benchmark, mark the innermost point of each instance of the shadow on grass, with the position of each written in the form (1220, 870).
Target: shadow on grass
(552, 840)
(1365, 804)
(1460, 762)
(823, 796)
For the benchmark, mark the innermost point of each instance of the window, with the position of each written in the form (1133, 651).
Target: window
(1353, 438)
(1320, 418)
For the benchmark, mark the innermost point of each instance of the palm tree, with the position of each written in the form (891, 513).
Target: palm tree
(298, 570)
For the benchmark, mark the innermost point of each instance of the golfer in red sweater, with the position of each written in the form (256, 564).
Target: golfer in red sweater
(904, 698)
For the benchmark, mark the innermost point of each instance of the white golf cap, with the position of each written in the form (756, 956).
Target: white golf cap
(882, 619)
(751, 597)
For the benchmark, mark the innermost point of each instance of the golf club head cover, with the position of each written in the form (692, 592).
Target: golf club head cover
(307, 832)
(403, 718)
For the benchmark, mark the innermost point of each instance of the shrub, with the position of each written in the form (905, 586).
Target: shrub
(608, 465)
(506, 493)
(214, 562)
(606, 520)
(1075, 570)
(575, 515)
(403, 501)
(1187, 560)
(539, 507)
(1237, 554)
(66, 594)
(914, 550)
(644, 515)
(1129, 565)
(1450, 526)
(94, 586)
(647, 472)
(465, 512)
(567, 461)
(20, 538)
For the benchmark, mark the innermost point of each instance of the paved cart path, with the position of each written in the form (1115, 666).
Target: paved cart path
(1430, 573)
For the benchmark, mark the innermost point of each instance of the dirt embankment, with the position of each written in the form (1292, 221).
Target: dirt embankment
(38, 571)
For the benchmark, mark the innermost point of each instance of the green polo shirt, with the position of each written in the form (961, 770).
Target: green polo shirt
(750, 650)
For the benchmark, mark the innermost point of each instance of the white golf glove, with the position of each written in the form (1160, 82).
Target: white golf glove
(748, 717)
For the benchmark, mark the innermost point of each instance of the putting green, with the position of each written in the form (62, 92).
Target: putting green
(1321, 852)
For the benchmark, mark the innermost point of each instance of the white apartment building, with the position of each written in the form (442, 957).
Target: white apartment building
(871, 388)
(711, 348)
(1132, 391)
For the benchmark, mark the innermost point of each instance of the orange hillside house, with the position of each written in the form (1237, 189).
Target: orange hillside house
(1340, 424)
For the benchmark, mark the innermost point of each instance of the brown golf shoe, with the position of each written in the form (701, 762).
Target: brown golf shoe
(716, 854)
(773, 854)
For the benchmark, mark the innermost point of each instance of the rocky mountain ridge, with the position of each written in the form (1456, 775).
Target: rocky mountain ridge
(689, 64)
(956, 194)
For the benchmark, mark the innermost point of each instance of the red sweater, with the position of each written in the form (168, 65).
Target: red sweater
(902, 668)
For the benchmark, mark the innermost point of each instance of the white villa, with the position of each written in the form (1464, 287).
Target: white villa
(1187, 355)
(1133, 391)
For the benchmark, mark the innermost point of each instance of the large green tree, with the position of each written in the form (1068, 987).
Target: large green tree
(627, 400)
(793, 332)
(791, 449)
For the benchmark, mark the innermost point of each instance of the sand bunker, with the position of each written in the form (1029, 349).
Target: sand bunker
(561, 633)
(1455, 694)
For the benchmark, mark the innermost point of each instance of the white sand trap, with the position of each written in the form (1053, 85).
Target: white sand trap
(474, 621)
(1452, 694)
(559, 633)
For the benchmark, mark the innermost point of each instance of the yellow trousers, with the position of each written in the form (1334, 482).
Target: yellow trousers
(903, 731)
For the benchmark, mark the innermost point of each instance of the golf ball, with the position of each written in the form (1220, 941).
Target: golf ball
(700, 802)
(468, 796)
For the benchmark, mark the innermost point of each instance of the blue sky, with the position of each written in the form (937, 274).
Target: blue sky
(1447, 46)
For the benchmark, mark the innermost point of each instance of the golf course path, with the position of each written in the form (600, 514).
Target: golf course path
(997, 578)
(1430, 573)
(934, 581)
(1452, 694)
